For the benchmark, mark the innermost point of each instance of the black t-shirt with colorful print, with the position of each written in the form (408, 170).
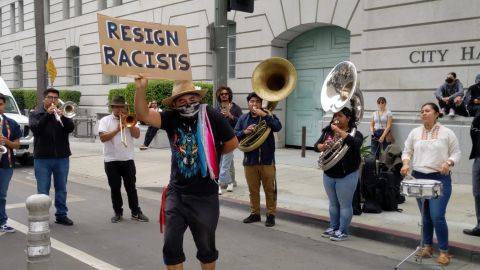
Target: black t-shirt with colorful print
(185, 174)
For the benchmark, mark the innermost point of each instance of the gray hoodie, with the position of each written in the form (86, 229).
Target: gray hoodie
(450, 90)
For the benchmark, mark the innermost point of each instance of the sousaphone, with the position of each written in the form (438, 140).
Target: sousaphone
(272, 80)
(340, 89)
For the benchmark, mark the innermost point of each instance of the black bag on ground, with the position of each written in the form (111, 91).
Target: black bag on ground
(370, 187)
(390, 191)
(357, 200)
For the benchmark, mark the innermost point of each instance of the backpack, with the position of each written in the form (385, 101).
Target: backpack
(357, 200)
(390, 191)
(370, 187)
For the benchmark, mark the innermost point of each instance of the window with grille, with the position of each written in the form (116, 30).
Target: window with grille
(18, 72)
(73, 65)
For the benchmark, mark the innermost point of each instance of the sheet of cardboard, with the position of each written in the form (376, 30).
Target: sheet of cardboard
(156, 51)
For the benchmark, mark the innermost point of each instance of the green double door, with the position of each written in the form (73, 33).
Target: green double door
(314, 54)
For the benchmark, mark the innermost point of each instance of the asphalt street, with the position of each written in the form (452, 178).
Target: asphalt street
(95, 243)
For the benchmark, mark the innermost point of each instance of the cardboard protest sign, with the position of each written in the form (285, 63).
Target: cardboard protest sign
(155, 50)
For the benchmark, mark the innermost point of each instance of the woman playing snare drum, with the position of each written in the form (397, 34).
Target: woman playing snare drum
(434, 149)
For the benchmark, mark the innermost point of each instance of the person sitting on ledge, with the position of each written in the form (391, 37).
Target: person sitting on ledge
(450, 96)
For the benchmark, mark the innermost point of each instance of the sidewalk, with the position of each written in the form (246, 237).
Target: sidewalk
(301, 196)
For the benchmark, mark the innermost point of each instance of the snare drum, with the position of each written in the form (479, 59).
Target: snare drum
(421, 188)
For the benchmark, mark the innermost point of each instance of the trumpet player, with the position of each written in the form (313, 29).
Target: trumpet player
(9, 139)
(52, 151)
(118, 157)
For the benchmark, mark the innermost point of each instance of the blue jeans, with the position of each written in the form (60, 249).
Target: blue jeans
(225, 177)
(5, 177)
(375, 147)
(44, 168)
(340, 195)
(434, 212)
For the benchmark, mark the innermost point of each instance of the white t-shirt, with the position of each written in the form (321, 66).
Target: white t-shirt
(381, 122)
(114, 149)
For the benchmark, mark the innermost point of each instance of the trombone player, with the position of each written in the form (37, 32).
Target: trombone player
(118, 148)
(9, 139)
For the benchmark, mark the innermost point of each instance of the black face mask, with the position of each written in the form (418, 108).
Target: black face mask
(449, 80)
(189, 110)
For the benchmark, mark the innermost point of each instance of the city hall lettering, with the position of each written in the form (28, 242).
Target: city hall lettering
(466, 53)
(130, 47)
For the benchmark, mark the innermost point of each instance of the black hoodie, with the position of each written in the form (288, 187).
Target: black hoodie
(350, 161)
(50, 138)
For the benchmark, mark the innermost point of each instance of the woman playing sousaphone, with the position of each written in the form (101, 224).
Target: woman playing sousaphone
(340, 181)
(434, 149)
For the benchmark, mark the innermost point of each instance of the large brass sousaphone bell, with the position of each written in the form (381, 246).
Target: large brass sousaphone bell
(340, 89)
(272, 80)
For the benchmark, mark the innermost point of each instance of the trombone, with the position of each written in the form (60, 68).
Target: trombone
(126, 121)
(68, 108)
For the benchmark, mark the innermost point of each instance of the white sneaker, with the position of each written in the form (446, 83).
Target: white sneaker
(443, 111)
(219, 190)
(451, 113)
(230, 187)
(7, 229)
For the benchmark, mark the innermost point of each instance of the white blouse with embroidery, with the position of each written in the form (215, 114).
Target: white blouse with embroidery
(430, 149)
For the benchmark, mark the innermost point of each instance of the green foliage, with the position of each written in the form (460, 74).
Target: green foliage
(365, 150)
(18, 96)
(30, 99)
(156, 90)
(27, 98)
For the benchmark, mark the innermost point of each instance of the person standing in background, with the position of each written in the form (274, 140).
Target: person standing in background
(151, 131)
(380, 127)
(231, 112)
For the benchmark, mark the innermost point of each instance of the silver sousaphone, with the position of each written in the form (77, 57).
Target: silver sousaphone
(340, 89)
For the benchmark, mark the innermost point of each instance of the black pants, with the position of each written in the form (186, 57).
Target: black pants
(460, 109)
(200, 214)
(116, 170)
(151, 132)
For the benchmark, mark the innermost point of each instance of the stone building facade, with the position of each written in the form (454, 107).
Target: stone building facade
(401, 48)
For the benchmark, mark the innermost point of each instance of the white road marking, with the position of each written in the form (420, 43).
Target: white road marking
(22, 205)
(69, 250)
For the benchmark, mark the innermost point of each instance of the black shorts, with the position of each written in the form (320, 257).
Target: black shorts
(201, 214)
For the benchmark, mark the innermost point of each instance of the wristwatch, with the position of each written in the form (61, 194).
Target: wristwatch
(450, 163)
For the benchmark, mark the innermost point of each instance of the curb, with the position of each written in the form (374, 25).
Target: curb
(469, 253)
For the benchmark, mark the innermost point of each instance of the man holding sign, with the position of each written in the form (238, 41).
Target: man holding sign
(198, 136)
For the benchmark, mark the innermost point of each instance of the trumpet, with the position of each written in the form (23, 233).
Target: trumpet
(3, 148)
(68, 108)
(126, 121)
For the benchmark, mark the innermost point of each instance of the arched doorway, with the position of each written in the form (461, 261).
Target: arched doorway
(314, 54)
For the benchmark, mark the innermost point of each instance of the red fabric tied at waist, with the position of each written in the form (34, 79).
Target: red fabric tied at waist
(162, 209)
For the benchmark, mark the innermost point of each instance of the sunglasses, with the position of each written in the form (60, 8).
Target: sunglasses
(223, 94)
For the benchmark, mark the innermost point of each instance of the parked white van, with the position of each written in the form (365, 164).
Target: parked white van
(25, 153)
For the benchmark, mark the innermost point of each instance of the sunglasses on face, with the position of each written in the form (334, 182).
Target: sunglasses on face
(223, 94)
(51, 97)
